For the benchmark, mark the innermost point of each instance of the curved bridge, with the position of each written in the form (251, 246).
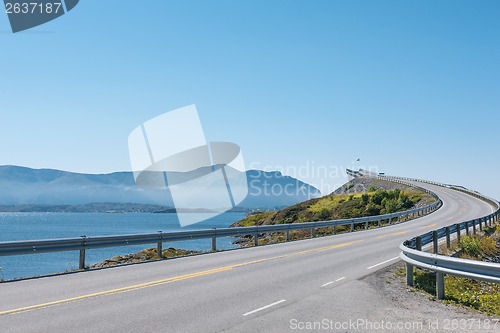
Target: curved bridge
(256, 289)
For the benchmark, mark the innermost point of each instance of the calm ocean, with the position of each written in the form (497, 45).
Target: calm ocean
(33, 226)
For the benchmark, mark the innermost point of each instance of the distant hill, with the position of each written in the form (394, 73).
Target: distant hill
(25, 186)
(359, 197)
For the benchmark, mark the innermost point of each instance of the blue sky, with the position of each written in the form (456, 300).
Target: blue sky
(411, 87)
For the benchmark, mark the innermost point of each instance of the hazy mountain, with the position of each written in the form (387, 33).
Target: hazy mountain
(25, 186)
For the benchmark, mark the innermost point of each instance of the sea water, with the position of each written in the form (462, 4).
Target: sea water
(37, 226)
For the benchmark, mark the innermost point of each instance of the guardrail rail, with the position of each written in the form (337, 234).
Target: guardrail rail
(413, 256)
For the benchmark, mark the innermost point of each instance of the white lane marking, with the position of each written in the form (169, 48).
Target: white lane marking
(264, 307)
(383, 262)
(329, 283)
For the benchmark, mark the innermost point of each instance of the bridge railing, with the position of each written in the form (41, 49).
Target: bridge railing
(412, 254)
(84, 243)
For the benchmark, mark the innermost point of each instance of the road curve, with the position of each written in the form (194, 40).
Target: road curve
(251, 290)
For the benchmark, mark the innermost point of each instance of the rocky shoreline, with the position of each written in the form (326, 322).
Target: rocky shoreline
(145, 255)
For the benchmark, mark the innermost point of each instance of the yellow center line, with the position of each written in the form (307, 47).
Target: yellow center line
(395, 234)
(167, 280)
(428, 226)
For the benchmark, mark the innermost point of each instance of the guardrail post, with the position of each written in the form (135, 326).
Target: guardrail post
(409, 274)
(159, 247)
(335, 229)
(399, 219)
(366, 225)
(439, 285)
(467, 228)
(313, 232)
(418, 243)
(352, 227)
(256, 239)
(288, 235)
(81, 264)
(214, 240)
(435, 241)
(458, 232)
(447, 229)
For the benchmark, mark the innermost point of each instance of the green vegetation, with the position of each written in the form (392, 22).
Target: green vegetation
(342, 206)
(476, 247)
(377, 201)
(478, 295)
(254, 219)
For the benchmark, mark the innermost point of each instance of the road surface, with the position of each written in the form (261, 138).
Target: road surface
(260, 289)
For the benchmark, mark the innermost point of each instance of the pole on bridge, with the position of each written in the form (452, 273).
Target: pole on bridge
(214, 240)
(439, 285)
(82, 259)
(159, 247)
(458, 232)
(409, 274)
(418, 243)
(81, 263)
(435, 241)
(448, 242)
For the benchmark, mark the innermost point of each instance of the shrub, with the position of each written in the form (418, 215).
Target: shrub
(324, 214)
(378, 196)
(470, 245)
(391, 206)
(372, 209)
(364, 198)
(478, 247)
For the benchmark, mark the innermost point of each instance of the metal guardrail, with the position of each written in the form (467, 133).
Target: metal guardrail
(413, 255)
(84, 243)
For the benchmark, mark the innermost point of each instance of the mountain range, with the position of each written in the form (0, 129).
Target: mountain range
(46, 187)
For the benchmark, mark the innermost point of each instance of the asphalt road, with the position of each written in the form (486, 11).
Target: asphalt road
(261, 289)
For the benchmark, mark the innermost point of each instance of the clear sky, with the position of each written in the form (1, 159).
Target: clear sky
(411, 87)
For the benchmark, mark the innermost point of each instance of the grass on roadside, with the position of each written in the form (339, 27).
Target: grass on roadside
(479, 295)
